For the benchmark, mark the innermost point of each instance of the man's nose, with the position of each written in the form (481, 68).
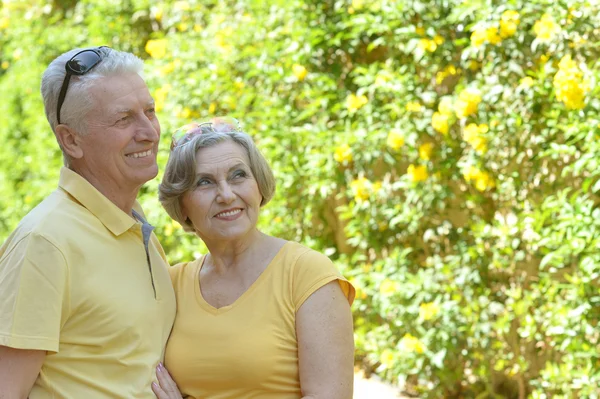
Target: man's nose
(147, 129)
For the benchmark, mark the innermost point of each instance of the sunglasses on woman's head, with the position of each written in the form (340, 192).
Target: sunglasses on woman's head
(186, 133)
(80, 64)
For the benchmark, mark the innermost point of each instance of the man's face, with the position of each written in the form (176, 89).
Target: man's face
(119, 149)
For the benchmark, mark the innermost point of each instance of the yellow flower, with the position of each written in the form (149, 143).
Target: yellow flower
(443, 74)
(471, 131)
(362, 189)
(417, 173)
(428, 311)
(410, 343)
(5, 64)
(425, 151)
(358, 4)
(478, 37)
(413, 106)
(212, 108)
(492, 36)
(427, 45)
(388, 287)
(419, 30)
(546, 28)
(380, 80)
(526, 82)
(467, 103)
(570, 84)
(343, 154)
(376, 186)
(222, 39)
(387, 358)
(4, 23)
(300, 71)
(395, 140)
(473, 135)
(354, 102)
(481, 179)
(182, 5)
(156, 48)
(185, 113)
(445, 106)
(182, 26)
(167, 69)
(160, 95)
(440, 123)
(197, 28)
(439, 40)
(474, 65)
(484, 182)
(508, 23)
(158, 14)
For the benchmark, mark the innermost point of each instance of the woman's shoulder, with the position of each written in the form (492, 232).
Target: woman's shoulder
(304, 254)
(295, 257)
(182, 270)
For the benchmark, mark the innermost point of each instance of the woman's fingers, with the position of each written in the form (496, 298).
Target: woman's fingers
(160, 394)
(166, 384)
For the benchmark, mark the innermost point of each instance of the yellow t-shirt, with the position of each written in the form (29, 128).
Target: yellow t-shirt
(75, 281)
(249, 348)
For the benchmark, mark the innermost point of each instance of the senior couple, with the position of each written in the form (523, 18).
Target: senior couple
(89, 307)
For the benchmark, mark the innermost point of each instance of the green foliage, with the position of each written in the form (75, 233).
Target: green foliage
(443, 153)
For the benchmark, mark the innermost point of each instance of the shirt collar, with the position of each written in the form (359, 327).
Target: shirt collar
(89, 197)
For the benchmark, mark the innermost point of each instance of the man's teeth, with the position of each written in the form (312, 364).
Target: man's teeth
(230, 213)
(140, 154)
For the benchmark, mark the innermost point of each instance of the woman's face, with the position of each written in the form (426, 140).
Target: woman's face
(225, 203)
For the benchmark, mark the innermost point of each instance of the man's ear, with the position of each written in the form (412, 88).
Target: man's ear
(69, 141)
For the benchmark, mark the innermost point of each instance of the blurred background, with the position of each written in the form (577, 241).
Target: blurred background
(445, 154)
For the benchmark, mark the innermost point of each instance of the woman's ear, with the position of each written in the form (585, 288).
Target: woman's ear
(69, 141)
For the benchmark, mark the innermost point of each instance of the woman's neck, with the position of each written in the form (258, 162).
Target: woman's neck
(227, 255)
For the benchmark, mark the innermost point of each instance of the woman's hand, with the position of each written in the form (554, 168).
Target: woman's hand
(166, 387)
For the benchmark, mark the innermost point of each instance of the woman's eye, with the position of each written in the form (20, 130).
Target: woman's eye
(239, 174)
(203, 182)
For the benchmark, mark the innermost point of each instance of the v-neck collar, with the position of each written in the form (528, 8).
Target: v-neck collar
(253, 287)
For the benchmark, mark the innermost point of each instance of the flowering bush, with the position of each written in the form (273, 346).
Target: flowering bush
(444, 154)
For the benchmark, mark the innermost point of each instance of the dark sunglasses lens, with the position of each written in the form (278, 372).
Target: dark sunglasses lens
(83, 62)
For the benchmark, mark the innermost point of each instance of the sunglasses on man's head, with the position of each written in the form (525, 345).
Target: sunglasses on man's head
(186, 133)
(80, 64)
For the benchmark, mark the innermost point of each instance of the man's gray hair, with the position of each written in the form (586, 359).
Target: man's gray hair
(180, 173)
(78, 101)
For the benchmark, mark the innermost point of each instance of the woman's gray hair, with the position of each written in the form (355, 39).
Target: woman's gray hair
(78, 101)
(180, 173)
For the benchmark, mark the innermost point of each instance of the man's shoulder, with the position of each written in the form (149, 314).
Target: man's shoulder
(53, 215)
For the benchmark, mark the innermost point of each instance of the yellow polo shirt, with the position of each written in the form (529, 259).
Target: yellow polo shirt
(75, 280)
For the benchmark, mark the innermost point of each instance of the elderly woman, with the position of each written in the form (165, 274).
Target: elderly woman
(258, 316)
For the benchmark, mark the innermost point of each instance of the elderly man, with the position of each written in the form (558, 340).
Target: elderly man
(87, 304)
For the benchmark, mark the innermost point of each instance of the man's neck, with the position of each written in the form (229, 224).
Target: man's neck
(122, 197)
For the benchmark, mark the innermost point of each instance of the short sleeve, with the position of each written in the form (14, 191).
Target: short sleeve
(312, 271)
(33, 286)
